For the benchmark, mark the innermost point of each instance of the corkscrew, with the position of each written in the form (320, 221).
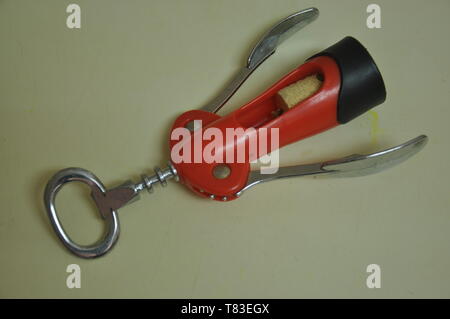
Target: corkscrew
(331, 88)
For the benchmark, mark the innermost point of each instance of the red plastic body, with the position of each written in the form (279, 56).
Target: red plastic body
(311, 116)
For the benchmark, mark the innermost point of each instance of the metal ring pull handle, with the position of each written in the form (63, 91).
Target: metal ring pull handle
(112, 221)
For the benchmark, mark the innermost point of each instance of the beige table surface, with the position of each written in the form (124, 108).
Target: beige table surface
(103, 98)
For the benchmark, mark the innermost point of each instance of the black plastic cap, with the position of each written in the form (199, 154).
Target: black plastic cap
(362, 86)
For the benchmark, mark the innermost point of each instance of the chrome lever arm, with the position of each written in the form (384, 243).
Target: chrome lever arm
(265, 47)
(216, 104)
(349, 166)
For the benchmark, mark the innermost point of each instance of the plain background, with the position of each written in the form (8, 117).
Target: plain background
(103, 98)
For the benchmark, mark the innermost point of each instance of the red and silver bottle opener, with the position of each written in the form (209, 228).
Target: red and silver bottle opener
(351, 85)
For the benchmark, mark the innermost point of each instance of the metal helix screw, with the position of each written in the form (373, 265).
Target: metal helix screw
(161, 176)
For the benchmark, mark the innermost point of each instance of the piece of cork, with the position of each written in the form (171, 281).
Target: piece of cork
(298, 91)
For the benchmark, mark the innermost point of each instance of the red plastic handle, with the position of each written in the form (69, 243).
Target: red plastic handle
(311, 116)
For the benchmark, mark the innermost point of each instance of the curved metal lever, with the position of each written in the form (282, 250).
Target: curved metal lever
(265, 47)
(112, 221)
(349, 166)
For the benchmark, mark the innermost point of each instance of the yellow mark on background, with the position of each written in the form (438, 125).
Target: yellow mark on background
(374, 126)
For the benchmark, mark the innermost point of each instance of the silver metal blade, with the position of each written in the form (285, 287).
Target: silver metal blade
(265, 47)
(361, 165)
(349, 166)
